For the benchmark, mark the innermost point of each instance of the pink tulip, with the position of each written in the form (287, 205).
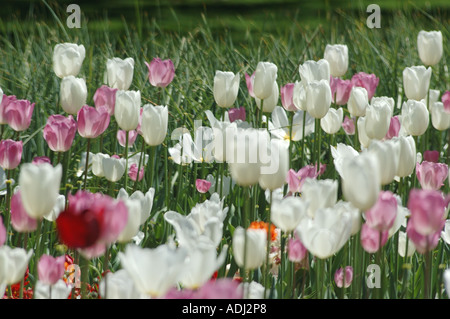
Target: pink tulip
(50, 269)
(394, 128)
(382, 215)
(132, 172)
(2, 232)
(431, 156)
(367, 81)
(41, 159)
(10, 153)
(446, 101)
(427, 209)
(18, 114)
(287, 94)
(340, 90)
(59, 132)
(249, 81)
(106, 97)
(223, 288)
(92, 121)
(121, 137)
(296, 180)
(370, 238)
(20, 220)
(431, 175)
(7, 99)
(236, 114)
(296, 250)
(160, 72)
(422, 243)
(339, 277)
(202, 185)
(348, 125)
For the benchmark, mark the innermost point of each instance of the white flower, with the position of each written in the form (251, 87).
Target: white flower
(265, 77)
(127, 109)
(154, 124)
(402, 245)
(319, 194)
(445, 234)
(287, 213)
(314, 71)
(337, 57)
(249, 245)
(331, 123)
(60, 290)
(120, 73)
(226, 87)
(13, 264)
(280, 127)
(118, 285)
(67, 59)
(429, 45)
(73, 94)
(113, 168)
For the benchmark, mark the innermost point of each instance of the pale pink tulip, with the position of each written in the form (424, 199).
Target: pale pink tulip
(121, 137)
(59, 132)
(383, 214)
(20, 220)
(160, 72)
(106, 97)
(18, 114)
(431, 156)
(445, 100)
(394, 128)
(370, 238)
(249, 81)
(133, 172)
(427, 209)
(296, 180)
(367, 81)
(10, 153)
(236, 114)
(431, 175)
(339, 277)
(422, 243)
(50, 269)
(348, 125)
(92, 121)
(296, 250)
(287, 97)
(7, 99)
(202, 185)
(340, 90)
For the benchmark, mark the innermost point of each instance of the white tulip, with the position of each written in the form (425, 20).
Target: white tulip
(340, 153)
(402, 237)
(343, 207)
(318, 98)
(337, 57)
(270, 102)
(447, 281)
(378, 120)
(408, 155)
(320, 193)
(332, 122)
(226, 88)
(60, 205)
(440, 119)
(362, 134)
(416, 81)
(429, 45)
(127, 109)
(39, 188)
(153, 270)
(60, 290)
(249, 247)
(274, 173)
(280, 126)
(133, 221)
(73, 94)
(388, 155)
(154, 124)
(445, 234)
(358, 101)
(384, 100)
(120, 73)
(118, 285)
(13, 264)
(97, 164)
(299, 95)
(67, 59)
(113, 168)
(265, 77)
(287, 213)
(314, 71)
(415, 117)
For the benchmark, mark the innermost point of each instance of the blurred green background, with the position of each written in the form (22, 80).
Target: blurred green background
(236, 17)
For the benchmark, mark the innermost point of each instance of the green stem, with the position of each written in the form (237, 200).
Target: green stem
(126, 162)
(88, 146)
(139, 165)
(291, 144)
(303, 139)
(84, 268)
(267, 275)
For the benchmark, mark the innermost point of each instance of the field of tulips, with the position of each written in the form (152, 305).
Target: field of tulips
(309, 164)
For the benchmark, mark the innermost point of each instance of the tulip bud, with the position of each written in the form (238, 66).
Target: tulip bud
(331, 123)
(202, 185)
(296, 251)
(429, 45)
(431, 156)
(337, 57)
(106, 97)
(378, 120)
(367, 81)
(73, 94)
(2, 232)
(59, 132)
(226, 87)
(270, 102)
(394, 128)
(299, 95)
(416, 81)
(92, 121)
(402, 239)
(314, 71)
(440, 118)
(67, 59)
(249, 80)
(339, 277)
(249, 247)
(422, 243)
(120, 73)
(235, 114)
(318, 98)
(122, 137)
(431, 175)
(358, 101)
(415, 117)
(127, 109)
(362, 135)
(160, 72)
(10, 153)
(133, 172)
(446, 101)
(39, 188)
(265, 77)
(154, 124)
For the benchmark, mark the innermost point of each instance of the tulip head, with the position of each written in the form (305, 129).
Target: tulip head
(59, 132)
(367, 81)
(429, 45)
(265, 77)
(154, 124)
(337, 57)
(318, 98)
(10, 153)
(120, 73)
(18, 114)
(127, 109)
(73, 94)
(416, 81)
(160, 72)
(226, 87)
(67, 59)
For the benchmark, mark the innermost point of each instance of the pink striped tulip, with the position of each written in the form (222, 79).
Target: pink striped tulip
(106, 97)
(367, 81)
(20, 220)
(431, 175)
(18, 114)
(160, 72)
(382, 215)
(92, 121)
(427, 209)
(59, 132)
(287, 97)
(50, 269)
(10, 153)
